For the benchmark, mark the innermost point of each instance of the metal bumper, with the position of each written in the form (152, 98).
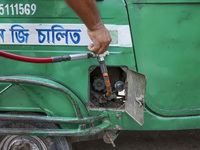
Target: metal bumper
(55, 132)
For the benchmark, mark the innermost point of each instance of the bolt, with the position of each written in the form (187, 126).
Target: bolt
(118, 115)
(117, 127)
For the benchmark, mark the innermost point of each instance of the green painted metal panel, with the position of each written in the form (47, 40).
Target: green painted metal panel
(151, 121)
(48, 100)
(50, 11)
(73, 74)
(166, 39)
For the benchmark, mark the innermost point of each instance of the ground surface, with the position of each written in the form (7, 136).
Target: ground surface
(147, 140)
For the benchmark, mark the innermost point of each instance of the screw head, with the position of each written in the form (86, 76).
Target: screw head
(118, 115)
(117, 127)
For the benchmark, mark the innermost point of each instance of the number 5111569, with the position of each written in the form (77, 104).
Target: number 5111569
(17, 9)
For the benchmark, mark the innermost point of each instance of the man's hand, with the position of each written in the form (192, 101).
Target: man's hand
(88, 12)
(101, 39)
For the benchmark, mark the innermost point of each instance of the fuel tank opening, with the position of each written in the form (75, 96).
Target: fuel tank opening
(97, 88)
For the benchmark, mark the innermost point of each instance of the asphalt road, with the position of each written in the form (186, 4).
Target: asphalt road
(147, 140)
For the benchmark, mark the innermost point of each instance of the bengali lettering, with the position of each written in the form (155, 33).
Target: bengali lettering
(56, 33)
(19, 33)
(2, 34)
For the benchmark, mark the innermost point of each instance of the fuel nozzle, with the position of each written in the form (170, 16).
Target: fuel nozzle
(104, 72)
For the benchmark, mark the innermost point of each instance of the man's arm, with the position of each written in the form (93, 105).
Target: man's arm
(88, 12)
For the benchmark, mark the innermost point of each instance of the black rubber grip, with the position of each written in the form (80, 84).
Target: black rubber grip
(61, 58)
(66, 58)
(103, 67)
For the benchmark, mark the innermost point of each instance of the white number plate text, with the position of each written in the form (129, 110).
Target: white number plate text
(17, 9)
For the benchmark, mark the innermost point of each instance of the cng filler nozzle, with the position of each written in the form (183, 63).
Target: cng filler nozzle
(104, 72)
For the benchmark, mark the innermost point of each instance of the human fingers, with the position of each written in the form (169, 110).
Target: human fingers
(102, 49)
(94, 48)
(101, 40)
(99, 47)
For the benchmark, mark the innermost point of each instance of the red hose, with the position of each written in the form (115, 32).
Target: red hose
(25, 58)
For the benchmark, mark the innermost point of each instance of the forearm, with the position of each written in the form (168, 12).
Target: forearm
(88, 12)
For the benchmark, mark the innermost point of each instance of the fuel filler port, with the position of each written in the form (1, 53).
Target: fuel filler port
(97, 88)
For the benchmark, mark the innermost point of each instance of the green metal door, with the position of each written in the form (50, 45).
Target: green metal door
(166, 38)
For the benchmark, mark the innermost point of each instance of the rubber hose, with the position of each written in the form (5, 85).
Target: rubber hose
(25, 58)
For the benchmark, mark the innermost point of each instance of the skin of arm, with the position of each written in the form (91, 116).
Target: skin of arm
(88, 12)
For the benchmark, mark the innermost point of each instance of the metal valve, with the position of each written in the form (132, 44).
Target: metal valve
(101, 56)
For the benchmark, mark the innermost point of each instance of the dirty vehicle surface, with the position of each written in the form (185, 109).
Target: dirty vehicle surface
(46, 102)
